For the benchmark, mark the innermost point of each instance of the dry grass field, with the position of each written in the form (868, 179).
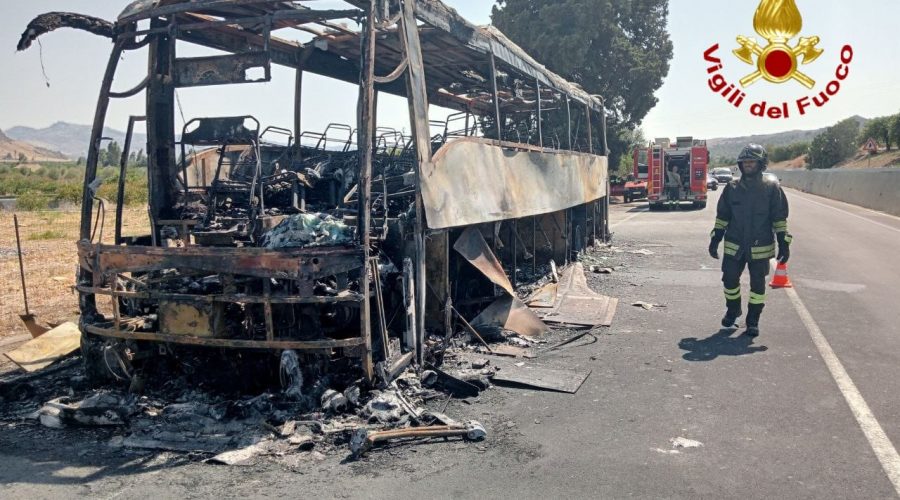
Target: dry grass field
(50, 259)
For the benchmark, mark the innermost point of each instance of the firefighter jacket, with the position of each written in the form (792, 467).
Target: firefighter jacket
(751, 213)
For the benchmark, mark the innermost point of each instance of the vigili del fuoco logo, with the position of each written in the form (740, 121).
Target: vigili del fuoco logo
(778, 61)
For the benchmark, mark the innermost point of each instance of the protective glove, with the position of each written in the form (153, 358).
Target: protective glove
(784, 252)
(784, 249)
(714, 248)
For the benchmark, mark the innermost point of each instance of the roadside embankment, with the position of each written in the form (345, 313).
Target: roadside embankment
(876, 188)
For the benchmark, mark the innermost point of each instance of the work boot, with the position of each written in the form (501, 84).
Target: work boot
(731, 316)
(754, 311)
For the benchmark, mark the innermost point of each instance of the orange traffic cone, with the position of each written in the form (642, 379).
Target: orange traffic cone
(781, 280)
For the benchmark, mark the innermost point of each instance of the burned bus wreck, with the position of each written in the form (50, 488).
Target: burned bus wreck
(354, 242)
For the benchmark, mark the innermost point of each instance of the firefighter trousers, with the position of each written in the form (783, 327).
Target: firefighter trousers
(731, 279)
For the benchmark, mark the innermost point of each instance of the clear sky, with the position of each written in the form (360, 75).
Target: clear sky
(74, 62)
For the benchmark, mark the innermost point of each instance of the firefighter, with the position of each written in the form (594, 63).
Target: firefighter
(751, 217)
(673, 185)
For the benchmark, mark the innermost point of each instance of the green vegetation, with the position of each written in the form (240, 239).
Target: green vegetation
(834, 145)
(49, 234)
(632, 139)
(609, 48)
(60, 183)
(55, 184)
(885, 130)
(789, 152)
(878, 129)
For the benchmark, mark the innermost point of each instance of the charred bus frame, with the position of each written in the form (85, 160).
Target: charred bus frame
(478, 175)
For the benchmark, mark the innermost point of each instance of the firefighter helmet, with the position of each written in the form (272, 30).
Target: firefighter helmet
(754, 152)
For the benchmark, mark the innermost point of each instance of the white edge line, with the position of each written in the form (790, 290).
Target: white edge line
(878, 440)
(805, 198)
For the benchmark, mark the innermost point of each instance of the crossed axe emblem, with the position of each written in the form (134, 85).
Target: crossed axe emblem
(777, 61)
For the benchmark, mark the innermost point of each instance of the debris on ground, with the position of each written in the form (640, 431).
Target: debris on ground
(681, 442)
(511, 351)
(543, 297)
(510, 313)
(647, 305)
(572, 339)
(601, 270)
(578, 305)
(50, 347)
(542, 378)
(363, 440)
(102, 408)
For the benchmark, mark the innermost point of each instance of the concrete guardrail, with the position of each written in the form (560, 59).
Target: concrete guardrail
(876, 188)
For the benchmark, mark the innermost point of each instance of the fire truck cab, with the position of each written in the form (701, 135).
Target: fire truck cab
(687, 157)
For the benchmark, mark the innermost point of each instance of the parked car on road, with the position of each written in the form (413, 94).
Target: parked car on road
(635, 189)
(711, 183)
(722, 174)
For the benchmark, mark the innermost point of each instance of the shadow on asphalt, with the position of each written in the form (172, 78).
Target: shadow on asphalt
(720, 343)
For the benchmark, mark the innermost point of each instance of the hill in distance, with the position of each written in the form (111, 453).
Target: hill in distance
(10, 149)
(69, 138)
(731, 147)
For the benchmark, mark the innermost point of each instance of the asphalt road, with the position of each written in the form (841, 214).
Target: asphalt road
(768, 417)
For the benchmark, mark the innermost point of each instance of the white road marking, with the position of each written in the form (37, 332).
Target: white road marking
(878, 440)
(804, 198)
(626, 219)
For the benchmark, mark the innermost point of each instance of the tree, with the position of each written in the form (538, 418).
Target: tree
(22, 158)
(879, 129)
(633, 138)
(894, 129)
(834, 145)
(609, 48)
(113, 154)
(140, 159)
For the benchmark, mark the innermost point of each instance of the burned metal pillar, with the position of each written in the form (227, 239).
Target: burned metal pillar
(496, 97)
(569, 121)
(539, 121)
(365, 135)
(605, 227)
(590, 133)
(90, 170)
(417, 97)
(123, 167)
(88, 303)
(161, 163)
(298, 107)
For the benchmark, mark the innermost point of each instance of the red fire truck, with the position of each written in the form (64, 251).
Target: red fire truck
(688, 156)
